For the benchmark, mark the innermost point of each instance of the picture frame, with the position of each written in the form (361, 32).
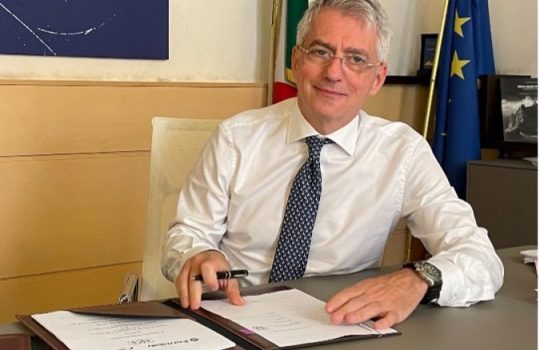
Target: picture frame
(519, 114)
(519, 109)
(501, 99)
(427, 53)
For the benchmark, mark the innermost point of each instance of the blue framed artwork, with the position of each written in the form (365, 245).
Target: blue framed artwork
(137, 29)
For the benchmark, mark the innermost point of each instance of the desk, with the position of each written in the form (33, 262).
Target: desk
(508, 322)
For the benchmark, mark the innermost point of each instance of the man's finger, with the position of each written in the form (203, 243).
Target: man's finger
(341, 298)
(182, 285)
(361, 312)
(390, 319)
(233, 293)
(195, 293)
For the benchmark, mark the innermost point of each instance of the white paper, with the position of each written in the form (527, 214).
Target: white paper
(286, 318)
(90, 332)
(532, 160)
(530, 257)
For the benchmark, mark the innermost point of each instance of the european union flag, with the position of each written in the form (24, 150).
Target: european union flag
(466, 53)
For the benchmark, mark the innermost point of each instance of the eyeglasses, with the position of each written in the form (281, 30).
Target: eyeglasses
(323, 56)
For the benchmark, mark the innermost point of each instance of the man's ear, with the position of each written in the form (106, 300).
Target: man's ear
(295, 57)
(378, 82)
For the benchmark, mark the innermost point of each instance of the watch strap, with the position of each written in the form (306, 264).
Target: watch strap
(433, 292)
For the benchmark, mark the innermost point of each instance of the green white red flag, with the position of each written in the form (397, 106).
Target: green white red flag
(283, 86)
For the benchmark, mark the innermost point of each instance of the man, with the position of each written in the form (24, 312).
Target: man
(370, 172)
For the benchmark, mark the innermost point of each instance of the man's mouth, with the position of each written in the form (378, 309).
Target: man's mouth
(330, 92)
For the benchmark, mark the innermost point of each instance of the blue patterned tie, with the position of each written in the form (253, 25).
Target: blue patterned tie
(294, 241)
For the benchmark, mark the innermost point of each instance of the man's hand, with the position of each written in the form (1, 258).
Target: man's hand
(388, 299)
(206, 264)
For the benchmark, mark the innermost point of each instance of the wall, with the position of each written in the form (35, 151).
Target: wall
(74, 149)
(234, 36)
(513, 29)
(231, 36)
(74, 167)
(74, 144)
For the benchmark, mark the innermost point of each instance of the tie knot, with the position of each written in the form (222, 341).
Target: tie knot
(315, 145)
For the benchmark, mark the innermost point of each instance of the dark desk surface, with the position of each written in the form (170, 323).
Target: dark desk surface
(508, 322)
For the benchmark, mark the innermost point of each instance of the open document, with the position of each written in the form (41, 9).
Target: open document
(91, 332)
(289, 318)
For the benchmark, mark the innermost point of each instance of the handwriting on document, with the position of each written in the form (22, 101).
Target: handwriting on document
(90, 332)
(287, 318)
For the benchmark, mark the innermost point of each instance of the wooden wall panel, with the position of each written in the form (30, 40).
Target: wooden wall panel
(62, 290)
(74, 167)
(395, 252)
(52, 118)
(71, 212)
(406, 103)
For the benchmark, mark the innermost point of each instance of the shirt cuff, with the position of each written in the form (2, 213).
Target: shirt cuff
(452, 283)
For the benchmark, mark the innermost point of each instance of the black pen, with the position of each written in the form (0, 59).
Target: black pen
(225, 275)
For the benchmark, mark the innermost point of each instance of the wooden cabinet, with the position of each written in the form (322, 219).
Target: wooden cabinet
(503, 194)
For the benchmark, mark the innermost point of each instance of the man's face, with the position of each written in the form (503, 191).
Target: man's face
(330, 95)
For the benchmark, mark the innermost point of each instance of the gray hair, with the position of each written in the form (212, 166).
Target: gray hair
(368, 10)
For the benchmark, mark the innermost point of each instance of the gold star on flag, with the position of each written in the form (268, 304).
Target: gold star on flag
(457, 66)
(458, 22)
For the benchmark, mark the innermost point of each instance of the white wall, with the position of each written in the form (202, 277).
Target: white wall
(408, 23)
(513, 31)
(228, 40)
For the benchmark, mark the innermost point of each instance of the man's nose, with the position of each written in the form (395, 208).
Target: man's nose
(334, 68)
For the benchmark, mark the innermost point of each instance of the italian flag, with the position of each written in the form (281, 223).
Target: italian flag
(287, 14)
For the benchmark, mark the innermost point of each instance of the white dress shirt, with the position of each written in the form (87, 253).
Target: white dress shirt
(375, 173)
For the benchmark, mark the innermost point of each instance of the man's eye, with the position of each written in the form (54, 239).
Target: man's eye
(320, 52)
(357, 59)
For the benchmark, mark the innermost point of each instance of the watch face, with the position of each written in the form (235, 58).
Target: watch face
(429, 271)
(433, 277)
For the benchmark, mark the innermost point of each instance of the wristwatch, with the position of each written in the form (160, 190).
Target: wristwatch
(431, 275)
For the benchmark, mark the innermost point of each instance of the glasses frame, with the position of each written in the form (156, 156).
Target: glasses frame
(365, 67)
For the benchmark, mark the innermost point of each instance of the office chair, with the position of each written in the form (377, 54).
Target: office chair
(176, 144)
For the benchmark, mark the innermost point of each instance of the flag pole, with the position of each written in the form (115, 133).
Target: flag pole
(434, 70)
(429, 102)
(274, 42)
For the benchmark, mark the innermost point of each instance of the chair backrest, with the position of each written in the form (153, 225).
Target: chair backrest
(176, 144)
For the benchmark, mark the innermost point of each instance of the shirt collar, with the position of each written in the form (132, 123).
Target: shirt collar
(299, 129)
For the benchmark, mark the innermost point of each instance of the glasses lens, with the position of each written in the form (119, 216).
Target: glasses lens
(324, 56)
(355, 62)
(319, 55)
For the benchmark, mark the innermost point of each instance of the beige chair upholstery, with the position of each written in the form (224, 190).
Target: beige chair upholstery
(176, 144)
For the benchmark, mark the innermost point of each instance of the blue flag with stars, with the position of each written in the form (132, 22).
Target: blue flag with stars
(466, 53)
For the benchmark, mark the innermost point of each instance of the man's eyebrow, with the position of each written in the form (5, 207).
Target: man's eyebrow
(323, 44)
(333, 49)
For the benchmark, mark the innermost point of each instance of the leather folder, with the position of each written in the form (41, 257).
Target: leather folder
(255, 340)
(246, 338)
(149, 309)
(15, 341)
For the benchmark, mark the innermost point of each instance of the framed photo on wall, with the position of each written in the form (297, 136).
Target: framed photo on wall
(134, 29)
(427, 53)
